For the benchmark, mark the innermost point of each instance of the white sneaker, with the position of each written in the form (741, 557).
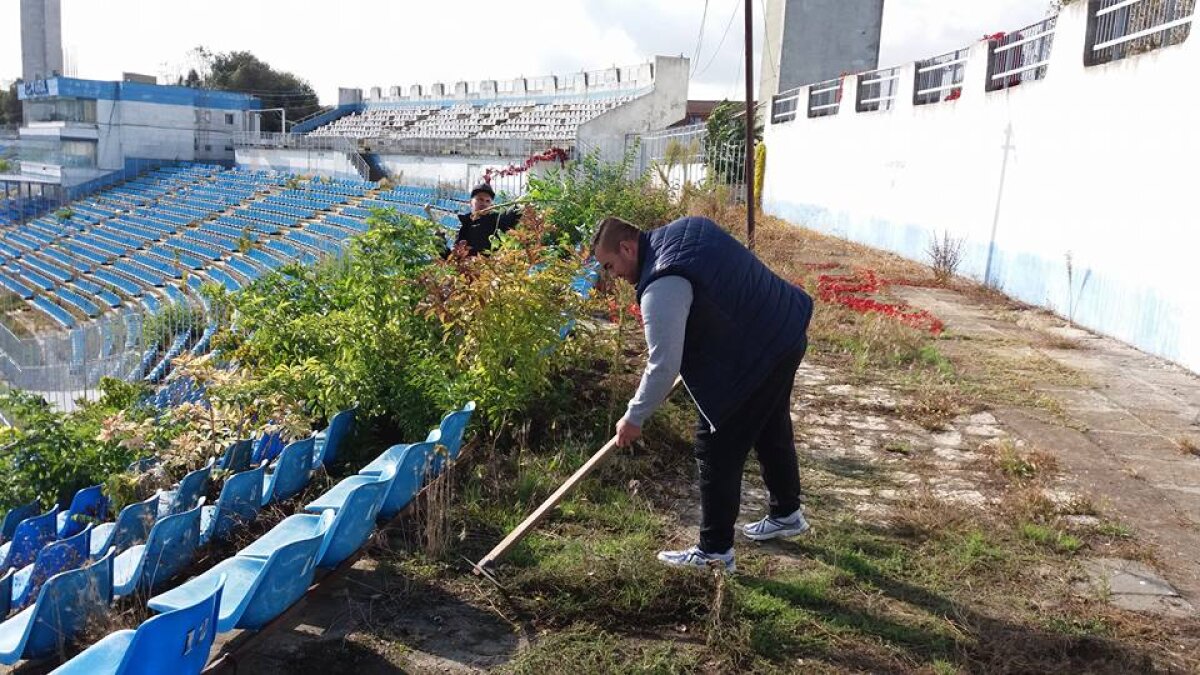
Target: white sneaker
(774, 528)
(694, 557)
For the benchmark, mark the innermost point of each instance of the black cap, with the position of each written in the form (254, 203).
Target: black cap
(483, 187)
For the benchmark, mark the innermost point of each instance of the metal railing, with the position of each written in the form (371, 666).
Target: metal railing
(877, 90)
(825, 98)
(255, 139)
(940, 78)
(1118, 29)
(784, 104)
(1021, 56)
(684, 156)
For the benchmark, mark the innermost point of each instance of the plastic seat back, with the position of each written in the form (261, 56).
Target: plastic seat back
(191, 488)
(293, 469)
(266, 448)
(355, 520)
(285, 578)
(88, 503)
(339, 428)
(452, 428)
(237, 457)
(67, 603)
(14, 517)
(169, 549)
(29, 538)
(58, 556)
(414, 464)
(239, 503)
(177, 642)
(134, 523)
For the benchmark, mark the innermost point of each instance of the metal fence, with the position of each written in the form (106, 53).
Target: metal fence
(940, 78)
(877, 90)
(1020, 56)
(65, 367)
(784, 105)
(686, 156)
(1121, 28)
(824, 98)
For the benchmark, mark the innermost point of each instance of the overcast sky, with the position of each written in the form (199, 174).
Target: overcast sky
(363, 43)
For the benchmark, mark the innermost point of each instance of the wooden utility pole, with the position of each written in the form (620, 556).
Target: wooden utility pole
(749, 126)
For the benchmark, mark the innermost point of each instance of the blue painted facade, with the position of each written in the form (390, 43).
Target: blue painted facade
(136, 92)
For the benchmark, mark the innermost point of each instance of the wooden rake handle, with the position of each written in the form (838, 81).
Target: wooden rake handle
(521, 531)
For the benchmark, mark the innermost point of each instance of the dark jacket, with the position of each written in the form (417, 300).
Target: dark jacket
(478, 233)
(744, 322)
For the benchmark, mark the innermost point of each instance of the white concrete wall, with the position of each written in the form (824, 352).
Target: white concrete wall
(662, 107)
(307, 162)
(1094, 163)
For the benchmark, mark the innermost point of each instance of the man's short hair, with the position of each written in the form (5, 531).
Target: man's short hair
(612, 231)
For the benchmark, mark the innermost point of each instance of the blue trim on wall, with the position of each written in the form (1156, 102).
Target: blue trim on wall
(1140, 315)
(137, 92)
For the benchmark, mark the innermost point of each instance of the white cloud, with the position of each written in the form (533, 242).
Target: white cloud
(364, 43)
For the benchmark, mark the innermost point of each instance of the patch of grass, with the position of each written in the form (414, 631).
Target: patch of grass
(1079, 626)
(583, 648)
(898, 447)
(1017, 463)
(975, 549)
(1114, 530)
(935, 402)
(1051, 538)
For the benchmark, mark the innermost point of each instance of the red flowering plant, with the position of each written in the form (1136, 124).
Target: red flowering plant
(852, 291)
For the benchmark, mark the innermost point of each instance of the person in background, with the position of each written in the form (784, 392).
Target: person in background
(477, 227)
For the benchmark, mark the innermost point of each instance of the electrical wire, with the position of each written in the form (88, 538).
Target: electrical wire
(699, 39)
(737, 5)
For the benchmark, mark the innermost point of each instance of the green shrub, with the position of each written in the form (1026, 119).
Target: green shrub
(575, 197)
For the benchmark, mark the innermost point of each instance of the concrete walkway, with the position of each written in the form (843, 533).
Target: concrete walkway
(1125, 437)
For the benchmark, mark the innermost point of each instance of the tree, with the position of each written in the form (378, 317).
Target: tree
(10, 106)
(244, 72)
(725, 145)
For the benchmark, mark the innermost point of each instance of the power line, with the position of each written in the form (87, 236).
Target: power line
(699, 39)
(729, 25)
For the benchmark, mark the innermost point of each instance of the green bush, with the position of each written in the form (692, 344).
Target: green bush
(50, 455)
(407, 335)
(575, 197)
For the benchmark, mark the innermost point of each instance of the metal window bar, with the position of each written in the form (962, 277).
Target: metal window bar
(877, 90)
(783, 106)
(825, 98)
(1118, 29)
(1021, 56)
(940, 78)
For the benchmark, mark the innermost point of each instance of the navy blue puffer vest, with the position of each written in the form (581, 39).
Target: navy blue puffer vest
(744, 319)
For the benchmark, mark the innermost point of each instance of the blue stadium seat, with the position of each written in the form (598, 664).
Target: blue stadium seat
(412, 463)
(55, 557)
(117, 281)
(290, 472)
(66, 605)
(237, 456)
(239, 504)
(327, 443)
(131, 527)
(186, 495)
(55, 312)
(175, 642)
(88, 504)
(258, 588)
(168, 551)
(11, 519)
(15, 286)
